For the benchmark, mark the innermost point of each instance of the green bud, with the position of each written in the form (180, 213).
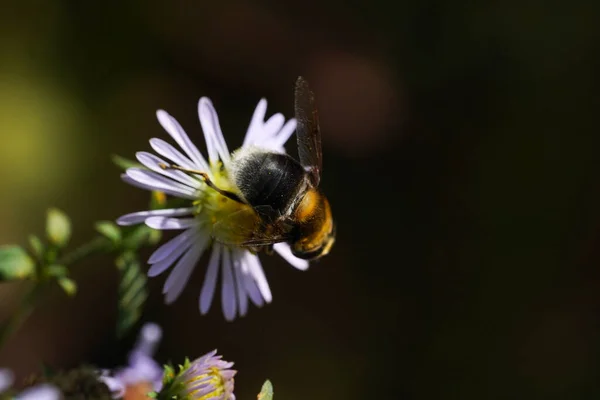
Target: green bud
(68, 285)
(266, 393)
(125, 163)
(58, 227)
(15, 263)
(109, 230)
(56, 271)
(37, 247)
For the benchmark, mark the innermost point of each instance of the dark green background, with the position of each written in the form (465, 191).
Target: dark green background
(460, 144)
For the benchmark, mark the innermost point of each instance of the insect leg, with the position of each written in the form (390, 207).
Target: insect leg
(206, 180)
(269, 249)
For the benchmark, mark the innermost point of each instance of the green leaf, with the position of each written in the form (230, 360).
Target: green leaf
(133, 292)
(266, 393)
(68, 285)
(109, 230)
(168, 374)
(58, 227)
(125, 163)
(15, 263)
(139, 236)
(37, 247)
(57, 271)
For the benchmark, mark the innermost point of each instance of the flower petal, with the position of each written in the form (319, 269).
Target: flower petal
(148, 339)
(173, 128)
(256, 123)
(140, 216)
(43, 391)
(272, 126)
(164, 223)
(215, 143)
(166, 150)
(228, 288)
(158, 182)
(283, 249)
(258, 274)
(285, 133)
(184, 241)
(238, 255)
(171, 246)
(153, 162)
(210, 279)
(115, 386)
(249, 284)
(252, 291)
(183, 269)
(6, 379)
(137, 184)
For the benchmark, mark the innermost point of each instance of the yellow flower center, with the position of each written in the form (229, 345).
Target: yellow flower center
(212, 207)
(215, 379)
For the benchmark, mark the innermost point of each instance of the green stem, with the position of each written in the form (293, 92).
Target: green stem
(20, 316)
(97, 245)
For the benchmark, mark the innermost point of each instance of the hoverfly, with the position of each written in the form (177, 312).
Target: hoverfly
(279, 197)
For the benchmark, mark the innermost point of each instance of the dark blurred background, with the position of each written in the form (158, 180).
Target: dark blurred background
(460, 147)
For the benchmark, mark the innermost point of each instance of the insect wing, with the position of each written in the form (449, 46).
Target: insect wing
(308, 132)
(237, 227)
(246, 228)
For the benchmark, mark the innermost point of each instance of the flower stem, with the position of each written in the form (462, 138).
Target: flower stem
(99, 244)
(27, 304)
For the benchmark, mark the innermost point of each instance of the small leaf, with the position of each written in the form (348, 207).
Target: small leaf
(266, 393)
(58, 227)
(125, 163)
(56, 271)
(15, 263)
(168, 374)
(139, 236)
(109, 230)
(132, 292)
(37, 247)
(68, 285)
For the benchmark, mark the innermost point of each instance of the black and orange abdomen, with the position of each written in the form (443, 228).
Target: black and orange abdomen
(314, 232)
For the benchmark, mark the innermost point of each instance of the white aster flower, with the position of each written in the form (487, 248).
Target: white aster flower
(242, 275)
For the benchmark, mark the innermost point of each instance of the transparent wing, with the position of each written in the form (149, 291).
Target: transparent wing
(308, 132)
(246, 228)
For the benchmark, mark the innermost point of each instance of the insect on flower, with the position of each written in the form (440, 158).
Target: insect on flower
(255, 199)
